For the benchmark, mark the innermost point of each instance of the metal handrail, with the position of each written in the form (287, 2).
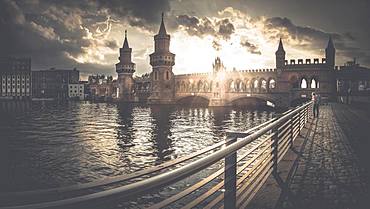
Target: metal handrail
(168, 177)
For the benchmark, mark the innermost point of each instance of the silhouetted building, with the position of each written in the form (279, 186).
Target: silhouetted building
(15, 74)
(102, 87)
(353, 78)
(53, 83)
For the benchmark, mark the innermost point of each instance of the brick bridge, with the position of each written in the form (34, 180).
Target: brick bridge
(290, 82)
(279, 87)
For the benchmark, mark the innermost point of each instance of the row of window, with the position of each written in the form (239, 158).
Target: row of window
(167, 75)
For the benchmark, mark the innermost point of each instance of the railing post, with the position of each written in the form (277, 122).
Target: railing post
(300, 120)
(230, 177)
(291, 130)
(275, 153)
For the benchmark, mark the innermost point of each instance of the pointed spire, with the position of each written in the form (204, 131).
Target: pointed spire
(330, 43)
(162, 29)
(125, 43)
(281, 47)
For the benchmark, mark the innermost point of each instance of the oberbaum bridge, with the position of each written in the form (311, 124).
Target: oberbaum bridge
(289, 83)
(291, 161)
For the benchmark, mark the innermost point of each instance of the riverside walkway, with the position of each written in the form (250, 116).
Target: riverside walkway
(328, 165)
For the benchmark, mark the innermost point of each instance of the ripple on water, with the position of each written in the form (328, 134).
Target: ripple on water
(51, 144)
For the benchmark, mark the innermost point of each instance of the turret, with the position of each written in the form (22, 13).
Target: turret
(330, 54)
(125, 64)
(125, 70)
(280, 55)
(162, 61)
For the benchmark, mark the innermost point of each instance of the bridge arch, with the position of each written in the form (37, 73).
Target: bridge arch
(193, 100)
(253, 100)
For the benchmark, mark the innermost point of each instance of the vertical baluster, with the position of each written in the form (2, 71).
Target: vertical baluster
(275, 151)
(291, 130)
(230, 177)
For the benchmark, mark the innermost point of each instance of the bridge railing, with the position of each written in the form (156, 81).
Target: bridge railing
(249, 158)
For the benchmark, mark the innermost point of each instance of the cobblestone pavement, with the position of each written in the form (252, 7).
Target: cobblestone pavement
(323, 170)
(328, 174)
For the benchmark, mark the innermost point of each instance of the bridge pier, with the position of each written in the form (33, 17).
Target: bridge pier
(218, 102)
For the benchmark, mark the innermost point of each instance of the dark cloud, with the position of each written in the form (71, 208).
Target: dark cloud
(51, 31)
(139, 13)
(251, 48)
(226, 28)
(298, 32)
(111, 44)
(195, 26)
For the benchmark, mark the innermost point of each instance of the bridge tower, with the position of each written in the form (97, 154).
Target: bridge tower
(162, 60)
(280, 55)
(125, 69)
(218, 97)
(330, 54)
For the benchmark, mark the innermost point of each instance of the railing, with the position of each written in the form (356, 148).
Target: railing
(233, 186)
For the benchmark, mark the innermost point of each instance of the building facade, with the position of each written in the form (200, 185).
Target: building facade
(53, 83)
(103, 88)
(15, 75)
(76, 91)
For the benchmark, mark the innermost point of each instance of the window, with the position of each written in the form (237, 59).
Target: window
(313, 83)
(303, 83)
(167, 75)
(155, 75)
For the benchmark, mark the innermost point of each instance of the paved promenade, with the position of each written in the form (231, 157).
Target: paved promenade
(327, 167)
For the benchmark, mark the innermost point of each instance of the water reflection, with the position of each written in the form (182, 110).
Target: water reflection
(52, 144)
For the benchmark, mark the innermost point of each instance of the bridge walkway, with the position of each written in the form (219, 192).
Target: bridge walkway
(326, 167)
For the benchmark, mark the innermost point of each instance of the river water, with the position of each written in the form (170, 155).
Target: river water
(48, 144)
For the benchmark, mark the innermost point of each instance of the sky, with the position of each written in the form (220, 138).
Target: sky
(87, 34)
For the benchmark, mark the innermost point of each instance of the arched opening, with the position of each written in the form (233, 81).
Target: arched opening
(194, 101)
(303, 83)
(263, 85)
(248, 85)
(314, 84)
(255, 86)
(206, 86)
(187, 87)
(167, 75)
(238, 86)
(200, 86)
(231, 86)
(272, 84)
(192, 87)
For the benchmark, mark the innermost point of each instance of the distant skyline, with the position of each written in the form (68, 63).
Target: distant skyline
(244, 33)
